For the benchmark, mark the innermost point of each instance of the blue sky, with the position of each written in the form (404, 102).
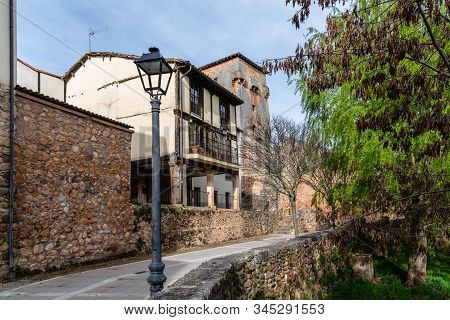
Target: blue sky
(200, 31)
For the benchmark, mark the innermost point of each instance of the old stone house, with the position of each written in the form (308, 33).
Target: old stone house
(247, 80)
(82, 147)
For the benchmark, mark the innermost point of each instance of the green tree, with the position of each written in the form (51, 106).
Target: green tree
(376, 83)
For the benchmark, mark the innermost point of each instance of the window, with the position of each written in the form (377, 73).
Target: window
(253, 107)
(224, 111)
(196, 100)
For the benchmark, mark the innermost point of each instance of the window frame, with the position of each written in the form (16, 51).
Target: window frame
(224, 121)
(200, 105)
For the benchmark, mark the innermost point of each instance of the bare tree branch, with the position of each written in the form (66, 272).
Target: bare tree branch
(433, 39)
(429, 66)
(280, 152)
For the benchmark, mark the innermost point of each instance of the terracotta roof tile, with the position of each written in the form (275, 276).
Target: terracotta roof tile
(230, 57)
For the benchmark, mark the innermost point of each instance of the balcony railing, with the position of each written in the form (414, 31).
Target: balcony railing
(224, 123)
(213, 148)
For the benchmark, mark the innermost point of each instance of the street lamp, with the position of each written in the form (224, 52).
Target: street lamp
(155, 74)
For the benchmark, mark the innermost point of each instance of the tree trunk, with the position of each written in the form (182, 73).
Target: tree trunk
(293, 202)
(333, 217)
(417, 272)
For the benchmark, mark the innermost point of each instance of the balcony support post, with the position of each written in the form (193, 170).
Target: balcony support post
(210, 189)
(235, 189)
(175, 182)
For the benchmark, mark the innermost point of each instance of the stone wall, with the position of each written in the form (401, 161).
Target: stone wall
(257, 195)
(188, 227)
(4, 178)
(312, 220)
(288, 270)
(301, 268)
(305, 196)
(72, 171)
(72, 174)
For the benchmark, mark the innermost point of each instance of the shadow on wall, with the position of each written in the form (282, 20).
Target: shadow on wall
(142, 143)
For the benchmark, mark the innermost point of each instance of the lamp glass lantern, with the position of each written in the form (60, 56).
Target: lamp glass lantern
(155, 73)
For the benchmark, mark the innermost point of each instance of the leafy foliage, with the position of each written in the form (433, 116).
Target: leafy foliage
(376, 85)
(389, 284)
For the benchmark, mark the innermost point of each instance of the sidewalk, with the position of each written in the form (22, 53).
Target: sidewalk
(127, 281)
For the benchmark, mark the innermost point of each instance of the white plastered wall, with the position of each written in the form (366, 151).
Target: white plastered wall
(110, 87)
(44, 83)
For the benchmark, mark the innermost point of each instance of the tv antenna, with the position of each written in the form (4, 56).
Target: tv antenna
(93, 32)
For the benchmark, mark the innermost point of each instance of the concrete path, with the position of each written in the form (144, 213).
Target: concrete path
(128, 281)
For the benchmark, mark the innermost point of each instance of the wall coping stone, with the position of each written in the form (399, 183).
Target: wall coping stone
(201, 283)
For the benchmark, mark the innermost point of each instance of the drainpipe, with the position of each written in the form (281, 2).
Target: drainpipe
(12, 77)
(180, 94)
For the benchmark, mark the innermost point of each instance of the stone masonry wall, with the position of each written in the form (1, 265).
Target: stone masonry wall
(248, 84)
(72, 206)
(287, 270)
(188, 227)
(305, 196)
(257, 195)
(4, 178)
(301, 268)
(72, 187)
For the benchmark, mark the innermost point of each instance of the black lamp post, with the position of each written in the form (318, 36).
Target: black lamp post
(155, 74)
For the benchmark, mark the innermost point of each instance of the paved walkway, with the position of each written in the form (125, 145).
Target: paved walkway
(127, 281)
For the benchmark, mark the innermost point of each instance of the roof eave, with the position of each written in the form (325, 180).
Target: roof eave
(213, 85)
(231, 57)
(74, 68)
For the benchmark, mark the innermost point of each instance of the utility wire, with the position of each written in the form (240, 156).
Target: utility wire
(67, 46)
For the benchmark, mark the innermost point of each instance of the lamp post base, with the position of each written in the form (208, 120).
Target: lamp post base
(157, 277)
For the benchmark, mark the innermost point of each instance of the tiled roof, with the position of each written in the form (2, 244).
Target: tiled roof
(88, 55)
(70, 107)
(207, 81)
(230, 57)
(104, 54)
(212, 85)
